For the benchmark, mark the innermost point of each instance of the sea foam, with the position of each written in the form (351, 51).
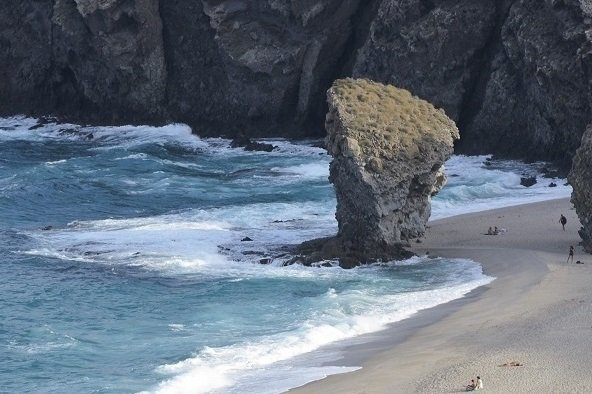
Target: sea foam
(351, 313)
(474, 186)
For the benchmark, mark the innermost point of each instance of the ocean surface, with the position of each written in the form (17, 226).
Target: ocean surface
(122, 268)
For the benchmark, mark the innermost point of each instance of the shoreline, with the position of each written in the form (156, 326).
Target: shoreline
(537, 312)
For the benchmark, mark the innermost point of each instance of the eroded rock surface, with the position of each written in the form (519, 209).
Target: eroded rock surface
(580, 178)
(108, 56)
(223, 66)
(256, 67)
(388, 151)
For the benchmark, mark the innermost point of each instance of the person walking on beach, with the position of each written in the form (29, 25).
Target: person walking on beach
(571, 254)
(563, 221)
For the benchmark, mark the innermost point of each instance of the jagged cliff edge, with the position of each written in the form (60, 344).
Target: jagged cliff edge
(514, 75)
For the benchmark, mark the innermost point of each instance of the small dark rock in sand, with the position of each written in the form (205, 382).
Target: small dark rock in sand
(246, 239)
(512, 364)
(552, 184)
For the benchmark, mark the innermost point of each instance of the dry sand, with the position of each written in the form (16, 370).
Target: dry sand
(538, 313)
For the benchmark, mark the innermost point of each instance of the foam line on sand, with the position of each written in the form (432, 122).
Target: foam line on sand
(537, 313)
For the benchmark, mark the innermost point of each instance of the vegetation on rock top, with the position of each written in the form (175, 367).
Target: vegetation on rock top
(384, 116)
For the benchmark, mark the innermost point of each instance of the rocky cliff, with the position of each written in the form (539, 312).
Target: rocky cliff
(388, 151)
(99, 60)
(222, 66)
(581, 179)
(514, 74)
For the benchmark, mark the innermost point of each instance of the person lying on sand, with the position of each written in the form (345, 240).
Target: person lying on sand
(495, 231)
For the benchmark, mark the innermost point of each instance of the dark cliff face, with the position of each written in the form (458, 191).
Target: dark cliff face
(93, 61)
(25, 56)
(108, 58)
(535, 101)
(221, 66)
(514, 74)
(260, 66)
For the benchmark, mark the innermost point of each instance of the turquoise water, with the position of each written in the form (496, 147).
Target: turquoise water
(123, 268)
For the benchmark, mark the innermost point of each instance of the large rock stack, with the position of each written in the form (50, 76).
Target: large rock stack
(388, 151)
(581, 180)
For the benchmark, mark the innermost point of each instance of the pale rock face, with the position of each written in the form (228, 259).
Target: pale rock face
(388, 151)
(580, 178)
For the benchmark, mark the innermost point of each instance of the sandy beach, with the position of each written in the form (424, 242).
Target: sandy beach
(537, 313)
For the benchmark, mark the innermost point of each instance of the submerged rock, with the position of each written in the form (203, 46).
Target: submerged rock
(243, 141)
(388, 151)
(581, 181)
(528, 181)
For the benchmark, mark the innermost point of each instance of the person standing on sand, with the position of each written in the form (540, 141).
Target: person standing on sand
(479, 385)
(563, 221)
(571, 254)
